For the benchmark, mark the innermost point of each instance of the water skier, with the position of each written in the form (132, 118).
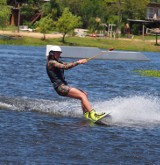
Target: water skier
(55, 70)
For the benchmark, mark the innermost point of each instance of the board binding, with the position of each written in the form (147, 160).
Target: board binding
(105, 120)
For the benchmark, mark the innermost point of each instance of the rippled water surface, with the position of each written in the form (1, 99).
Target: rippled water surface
(39, 127)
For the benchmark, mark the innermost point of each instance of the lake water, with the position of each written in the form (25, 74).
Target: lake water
(38, 127)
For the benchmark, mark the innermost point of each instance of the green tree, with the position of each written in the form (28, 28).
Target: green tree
(88, 10)
(4, 13)
(52, 8)
(134, 9)
(27, 12)
(119, 11)
(67, 22)
(45, 25)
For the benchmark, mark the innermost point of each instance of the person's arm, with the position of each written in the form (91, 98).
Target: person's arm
(66, 66)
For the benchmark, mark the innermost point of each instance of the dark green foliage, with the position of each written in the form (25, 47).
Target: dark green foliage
(108, 11)
(4, 14)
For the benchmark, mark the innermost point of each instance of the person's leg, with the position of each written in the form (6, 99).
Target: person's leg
(89, 113)
(83, 108)
(78, 94)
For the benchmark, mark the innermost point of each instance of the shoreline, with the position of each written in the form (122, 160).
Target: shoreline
(37, 39)
(59, 35)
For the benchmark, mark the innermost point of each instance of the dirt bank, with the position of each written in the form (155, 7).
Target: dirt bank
(30, 34)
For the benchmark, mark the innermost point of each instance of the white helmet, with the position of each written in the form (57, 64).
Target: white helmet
(55, 49)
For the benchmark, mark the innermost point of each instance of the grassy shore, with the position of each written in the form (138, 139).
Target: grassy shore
(135, 44)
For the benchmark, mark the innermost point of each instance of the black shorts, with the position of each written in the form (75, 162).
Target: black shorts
(63, 90)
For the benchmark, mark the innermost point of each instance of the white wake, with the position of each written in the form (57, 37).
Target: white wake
(124, 110)
(133, 109)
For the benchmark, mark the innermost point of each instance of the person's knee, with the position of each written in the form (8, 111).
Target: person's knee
(85, 93)
(83, 96)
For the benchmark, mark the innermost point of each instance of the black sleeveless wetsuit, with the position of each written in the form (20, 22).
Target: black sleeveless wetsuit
(55, 70)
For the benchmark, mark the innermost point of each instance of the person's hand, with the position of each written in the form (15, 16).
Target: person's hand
(82, 61)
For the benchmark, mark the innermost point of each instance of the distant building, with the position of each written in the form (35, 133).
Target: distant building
(16, 18)
(153, 11)
(152, 19)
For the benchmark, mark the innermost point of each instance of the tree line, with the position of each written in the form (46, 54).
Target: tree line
(64, 15)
